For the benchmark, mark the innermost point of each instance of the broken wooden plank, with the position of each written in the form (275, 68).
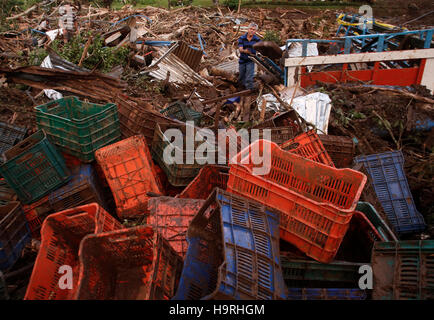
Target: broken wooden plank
(23, 13)
(236, 94)
(360, 57)
(112, 38)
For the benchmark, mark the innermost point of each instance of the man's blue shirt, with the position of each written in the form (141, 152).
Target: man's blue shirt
(246, 44)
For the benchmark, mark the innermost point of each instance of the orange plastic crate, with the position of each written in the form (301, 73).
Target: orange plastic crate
(128, 169)
(61, 236)
(135, 263)
(317, 201)
(309, 146)
(171, 218)
(208, 178)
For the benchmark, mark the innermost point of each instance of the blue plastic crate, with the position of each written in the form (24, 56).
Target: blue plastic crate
(14, 234)
(10, 135)
(233, 252)
(326, 294)
(391, 186)
(82, 189)
(3, 289)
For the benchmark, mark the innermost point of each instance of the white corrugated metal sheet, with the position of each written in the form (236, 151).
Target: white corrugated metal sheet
(179, 71)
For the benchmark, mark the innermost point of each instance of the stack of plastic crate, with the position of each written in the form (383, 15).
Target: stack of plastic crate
(233, 251)
(61, 236)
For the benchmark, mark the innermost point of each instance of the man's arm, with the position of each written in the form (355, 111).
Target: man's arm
(241, 45)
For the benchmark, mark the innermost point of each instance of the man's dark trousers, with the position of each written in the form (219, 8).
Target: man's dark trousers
(247, 71)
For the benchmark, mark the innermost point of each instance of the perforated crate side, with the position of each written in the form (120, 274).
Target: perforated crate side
(340, 149)
(326, 294)
(128, 170)
(301, 272)
(208, 178)
(403, 270)
(14, 234)
(83, 188)
(62, 233)
(309, 146)
(9, 136)
(171, 218)
(180, 174)
(78, 127)
(393, 192)
(135, 119)
(36, 213)
(34, 168)
(134, 263)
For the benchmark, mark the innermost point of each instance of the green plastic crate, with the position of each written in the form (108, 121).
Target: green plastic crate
(79, 128)
(309, 273)
(378, 222)
(33, 168)
(403, 270)
(178, 174)
(179, 110)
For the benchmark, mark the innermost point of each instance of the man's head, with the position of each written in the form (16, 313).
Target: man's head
(253, 27)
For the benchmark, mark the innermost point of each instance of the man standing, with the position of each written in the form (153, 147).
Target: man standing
(246, 65)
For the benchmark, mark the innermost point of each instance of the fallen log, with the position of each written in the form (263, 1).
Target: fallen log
(224, 74)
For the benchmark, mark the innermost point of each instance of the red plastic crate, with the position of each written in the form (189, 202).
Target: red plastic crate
(171, 218)
(209, 177)
(317, 201)
(36, 213)
(136, 263)
(71, 161)
(309, 146)
(61, 236)
(340, 149)
(128, 168)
